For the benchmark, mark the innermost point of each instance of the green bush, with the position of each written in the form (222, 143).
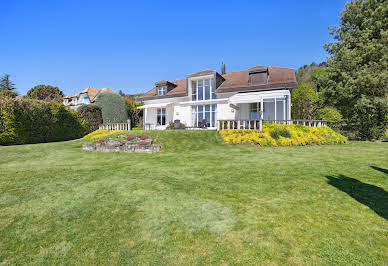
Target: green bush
(280, 132)
(66, 123)
(114, 109)
(93, 114)
(33, 121)
(171, 126)
(331, 115)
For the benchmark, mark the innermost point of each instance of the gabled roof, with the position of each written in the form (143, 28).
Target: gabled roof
(92, 93)
(236, 81)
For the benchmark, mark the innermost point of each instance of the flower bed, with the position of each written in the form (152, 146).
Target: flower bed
(101, 133)
(283, 135)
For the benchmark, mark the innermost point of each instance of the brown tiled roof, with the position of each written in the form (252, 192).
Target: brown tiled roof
(200, 73)
(92, 93)
(279, 77)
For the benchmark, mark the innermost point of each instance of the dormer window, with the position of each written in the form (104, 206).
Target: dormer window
(203, 89)
(258, 76)
(162, 90)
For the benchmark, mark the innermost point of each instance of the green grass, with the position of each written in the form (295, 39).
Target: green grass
(197, 202)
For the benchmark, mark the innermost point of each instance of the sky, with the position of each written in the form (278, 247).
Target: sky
(129, 45)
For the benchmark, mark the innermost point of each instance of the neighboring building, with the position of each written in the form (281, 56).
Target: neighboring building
(207, 97)
(86, 96)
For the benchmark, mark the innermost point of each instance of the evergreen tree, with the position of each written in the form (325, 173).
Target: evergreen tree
(6, 84)
(357, 71)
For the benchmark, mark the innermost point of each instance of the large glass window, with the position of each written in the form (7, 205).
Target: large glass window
(281, 108)
(203, 90)
(162, 90)
(161, 116)
(204, 114)
(86, 100)
(269, 109)
(254, 111)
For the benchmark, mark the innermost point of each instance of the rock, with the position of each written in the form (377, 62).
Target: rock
(124, 143)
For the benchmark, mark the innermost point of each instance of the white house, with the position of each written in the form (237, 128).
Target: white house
(86, 96)
(207, 97)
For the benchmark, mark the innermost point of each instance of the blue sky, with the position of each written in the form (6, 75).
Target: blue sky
(129, 45)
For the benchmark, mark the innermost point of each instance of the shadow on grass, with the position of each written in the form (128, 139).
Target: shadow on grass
(372, 196)
(385, 171)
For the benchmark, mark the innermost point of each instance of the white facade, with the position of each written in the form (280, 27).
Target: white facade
(268, 105)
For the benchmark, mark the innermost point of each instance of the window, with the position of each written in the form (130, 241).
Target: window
(254, 111)
(204, 113)
(269, 109)
(161, 116)
(86, 100)
(203, 89)
(162, 90)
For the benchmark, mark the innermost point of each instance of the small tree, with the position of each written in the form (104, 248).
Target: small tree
(113, 107)
(45, 93)
(7, 86)
(134, 114)
(304, 101)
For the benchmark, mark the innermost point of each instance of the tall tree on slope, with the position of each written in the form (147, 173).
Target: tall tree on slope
(357, 71)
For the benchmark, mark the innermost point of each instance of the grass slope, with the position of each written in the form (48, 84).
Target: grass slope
(198, 202)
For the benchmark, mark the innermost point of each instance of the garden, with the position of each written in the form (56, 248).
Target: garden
(199, 201)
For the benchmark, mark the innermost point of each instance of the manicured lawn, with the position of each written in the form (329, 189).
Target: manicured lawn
(198, 202)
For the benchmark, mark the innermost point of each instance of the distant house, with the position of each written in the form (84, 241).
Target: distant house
(86, 96)
(207, 98)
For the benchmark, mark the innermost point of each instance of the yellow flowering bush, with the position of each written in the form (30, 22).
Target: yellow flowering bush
(101, 133)
(283, 135)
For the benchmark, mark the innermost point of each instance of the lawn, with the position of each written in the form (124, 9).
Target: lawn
(197, 202)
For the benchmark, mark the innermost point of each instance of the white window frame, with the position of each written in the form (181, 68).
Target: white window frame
(161, 116)
(194, 111)
(195, 89)
(162, 90)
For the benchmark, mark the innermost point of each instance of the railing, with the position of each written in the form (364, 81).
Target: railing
(116, 126)
(258, 124)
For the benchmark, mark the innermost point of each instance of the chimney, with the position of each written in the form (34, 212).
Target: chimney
(223, 68)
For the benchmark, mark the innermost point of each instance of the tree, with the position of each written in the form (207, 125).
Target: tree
(6, 84)
(304, 101)
(134, 114)
(121, 93)
(113, 107)
(46, 93)
(357, 70)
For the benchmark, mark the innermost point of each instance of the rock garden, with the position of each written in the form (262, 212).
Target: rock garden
(125, 143)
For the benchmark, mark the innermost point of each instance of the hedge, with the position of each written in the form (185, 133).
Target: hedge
(114, 109)
(283, 135)
(93, 114)
(34, 121)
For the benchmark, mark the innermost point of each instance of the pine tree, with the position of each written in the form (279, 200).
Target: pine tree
(6, 84)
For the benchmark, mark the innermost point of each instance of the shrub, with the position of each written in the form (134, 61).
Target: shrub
(287, 135)
(101, 133)
(280, 132)
(33, 121)
(113, 107)
(331, 115)
(171, 126)
(93, 114)
(67, 124)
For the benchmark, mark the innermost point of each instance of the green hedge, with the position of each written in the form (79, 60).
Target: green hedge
(93, 114)
(33, 121)
(114, 109)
